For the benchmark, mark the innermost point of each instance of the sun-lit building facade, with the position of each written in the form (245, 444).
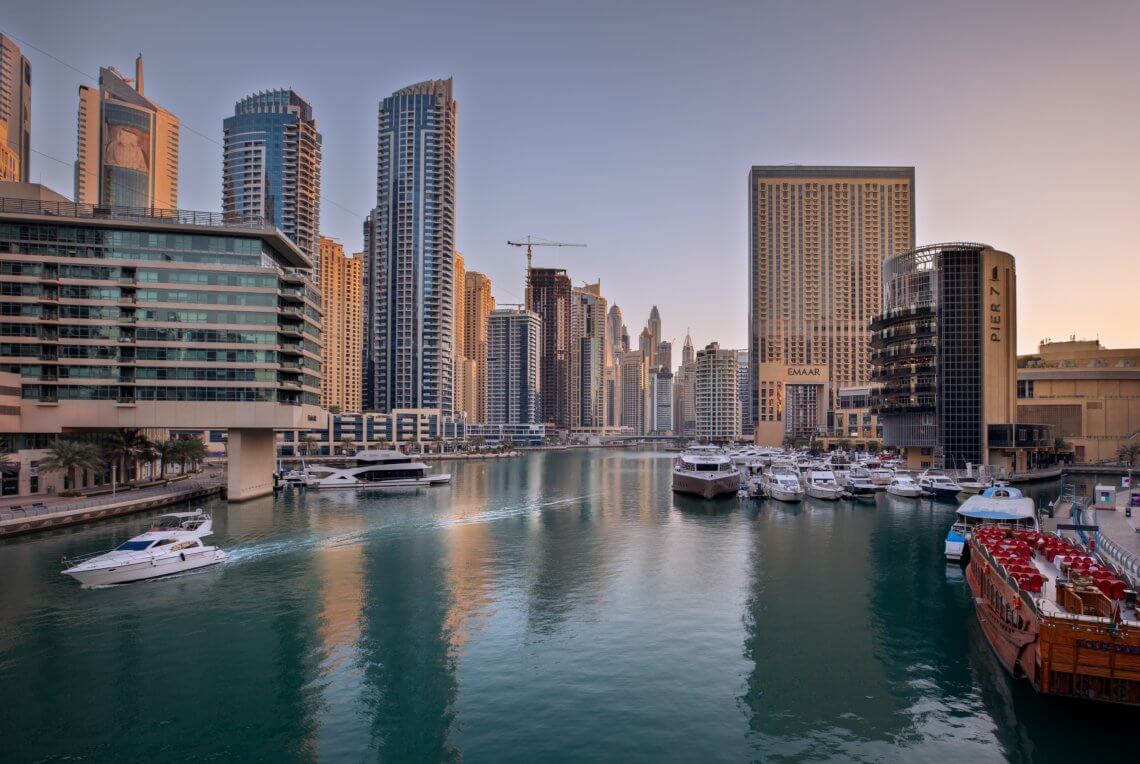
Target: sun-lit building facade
(342, 340)
(127, 145)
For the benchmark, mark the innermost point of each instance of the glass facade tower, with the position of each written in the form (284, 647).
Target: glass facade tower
(409, 253)
(272, 166)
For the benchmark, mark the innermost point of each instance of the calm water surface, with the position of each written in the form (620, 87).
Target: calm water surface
(556, 607)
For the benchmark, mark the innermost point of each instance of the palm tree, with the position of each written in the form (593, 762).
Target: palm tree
(122, 447)
(1127, 454)
(190, 450)
(346, 442)
(309, 445)
(166, 451)
(72, 456)
(147, 453)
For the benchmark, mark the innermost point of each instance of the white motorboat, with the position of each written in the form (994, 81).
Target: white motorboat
(859, 483)
(904, 485)
(783, 485)
(820, 484)
(999, 505)
(705, 471)
(375, 469)
(173, 545)
(881, 477)
(938, 484)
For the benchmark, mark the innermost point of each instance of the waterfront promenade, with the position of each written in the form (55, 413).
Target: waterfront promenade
(1117, 535)
(32, 514)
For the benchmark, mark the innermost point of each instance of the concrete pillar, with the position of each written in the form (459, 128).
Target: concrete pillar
(251, 456)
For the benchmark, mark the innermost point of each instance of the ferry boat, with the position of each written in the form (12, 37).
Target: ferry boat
(783, 484)
(904, 485)
(938, 484)
(375, 469)
(1060, 618)
(820, 484)
(705, 471)
(1000, 506)
(172, 545)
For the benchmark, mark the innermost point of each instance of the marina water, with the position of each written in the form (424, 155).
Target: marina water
(558, 606)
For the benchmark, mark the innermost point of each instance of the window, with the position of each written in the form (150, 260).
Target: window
(133, 546)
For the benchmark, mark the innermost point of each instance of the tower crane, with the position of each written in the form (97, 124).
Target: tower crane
(530, 243)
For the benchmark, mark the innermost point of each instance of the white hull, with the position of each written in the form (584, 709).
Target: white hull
(824, 493)
(141, 570)
(905, 492)
(339, 482)
(784, 494)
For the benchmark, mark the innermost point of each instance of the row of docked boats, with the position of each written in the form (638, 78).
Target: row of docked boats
(1054, 611)
(710, 471)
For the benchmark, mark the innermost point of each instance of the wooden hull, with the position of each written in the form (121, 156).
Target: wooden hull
(1064, 655)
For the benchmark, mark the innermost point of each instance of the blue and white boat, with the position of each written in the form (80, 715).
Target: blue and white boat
(938, 484)
(997, 505)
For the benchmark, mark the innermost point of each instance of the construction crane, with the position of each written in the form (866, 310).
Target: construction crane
(530, 243)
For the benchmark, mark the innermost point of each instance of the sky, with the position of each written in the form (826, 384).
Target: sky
(631, 127)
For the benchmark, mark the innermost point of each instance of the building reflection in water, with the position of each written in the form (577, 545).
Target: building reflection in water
(808, 633)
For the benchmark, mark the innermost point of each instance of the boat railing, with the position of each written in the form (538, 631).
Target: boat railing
(1128, 563)
(79, 559)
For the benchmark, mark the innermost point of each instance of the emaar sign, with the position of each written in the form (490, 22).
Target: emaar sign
(795, 372)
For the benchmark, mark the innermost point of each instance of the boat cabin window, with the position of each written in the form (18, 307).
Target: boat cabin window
(705, 467)
(164, 542)
(133, 546)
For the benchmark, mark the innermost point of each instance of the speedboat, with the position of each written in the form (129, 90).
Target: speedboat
(938, 484)
(375, 469)
(172, 545)
(904, 485)
(820, 484)
(1001, 506)
(784, 485)
(705, 471)
(975, 483)
(859, 483)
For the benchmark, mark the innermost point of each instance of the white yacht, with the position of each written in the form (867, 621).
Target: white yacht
(938, 484)
(375, 469)
(173, 545)
(859, 483)
(999, 505)
(705, 471)
(820, 484)
(881, 476)
(783, 484)
(904, 485)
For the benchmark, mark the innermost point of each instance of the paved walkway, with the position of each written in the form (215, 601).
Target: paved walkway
(1117, 537)
(70, 511)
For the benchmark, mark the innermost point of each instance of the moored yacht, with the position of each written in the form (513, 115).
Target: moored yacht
(820, 484)
(172, 545)
(375, 469)
(904, 485)
(938, 484)
(705, 471)
(783, 484)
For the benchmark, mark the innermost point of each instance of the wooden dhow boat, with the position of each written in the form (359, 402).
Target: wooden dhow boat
(1056, 615)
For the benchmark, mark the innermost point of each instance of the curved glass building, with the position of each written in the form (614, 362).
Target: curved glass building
(943, 353)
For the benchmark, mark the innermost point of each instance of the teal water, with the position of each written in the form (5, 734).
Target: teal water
(556, 607)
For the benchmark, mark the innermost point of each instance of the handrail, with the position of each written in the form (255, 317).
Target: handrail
(136, 214)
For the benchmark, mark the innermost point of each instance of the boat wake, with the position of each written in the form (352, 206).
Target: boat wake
(244, 554)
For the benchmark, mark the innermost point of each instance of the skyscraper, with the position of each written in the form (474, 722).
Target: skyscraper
(688, 354)
(15, 113)
(477, 304)
(459, 344)
(717, 397)
(342, 326)
(817, 239)
(513, 366)
(647, 346)
(660, 401)
(410, 243)
(550, 298)
(588, 327)
(127, 145)
(272, 166)
(614, 325)
(654, 325)
(744, 392)
(634, 392)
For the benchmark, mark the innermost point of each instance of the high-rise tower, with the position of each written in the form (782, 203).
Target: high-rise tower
(550, 298)
(478, 302)
(15, 113)
(341, 326)
(127, 145)
(817, 240)
(410, 244)
(272, 166)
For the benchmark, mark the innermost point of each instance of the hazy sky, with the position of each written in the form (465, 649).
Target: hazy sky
(631, 126)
